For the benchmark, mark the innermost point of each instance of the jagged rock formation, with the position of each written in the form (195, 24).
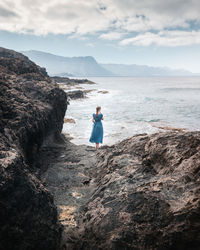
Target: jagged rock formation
(32, 109)
(146, 196)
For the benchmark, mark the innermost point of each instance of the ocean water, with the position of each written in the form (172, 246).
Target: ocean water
(135, 105)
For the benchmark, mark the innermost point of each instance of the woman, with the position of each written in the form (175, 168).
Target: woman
(97, 131)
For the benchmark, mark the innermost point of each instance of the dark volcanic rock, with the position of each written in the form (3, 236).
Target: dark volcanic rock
(70, 81)
(76, 94)
(147, 196)
(32, 109)
(19, 64)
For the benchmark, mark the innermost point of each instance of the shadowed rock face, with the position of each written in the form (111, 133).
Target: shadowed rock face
(32, 109)
(147, 195)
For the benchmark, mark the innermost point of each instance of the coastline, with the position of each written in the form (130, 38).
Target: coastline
(141, 193)
(112, 194)
(78, 94)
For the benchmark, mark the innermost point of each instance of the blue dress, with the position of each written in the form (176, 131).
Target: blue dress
(97, 131)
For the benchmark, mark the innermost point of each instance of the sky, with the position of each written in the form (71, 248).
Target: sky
(145, 32)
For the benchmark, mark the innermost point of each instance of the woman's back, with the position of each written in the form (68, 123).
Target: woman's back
(97, 130)
(97, 118)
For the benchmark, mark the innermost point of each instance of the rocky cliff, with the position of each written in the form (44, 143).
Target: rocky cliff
(32, 108)
(143, 193)
(147, 195)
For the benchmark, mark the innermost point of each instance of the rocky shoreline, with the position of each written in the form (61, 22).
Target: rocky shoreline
(142, 193)
(70, 81)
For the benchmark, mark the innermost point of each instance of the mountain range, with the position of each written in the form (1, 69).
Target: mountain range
(87, 66)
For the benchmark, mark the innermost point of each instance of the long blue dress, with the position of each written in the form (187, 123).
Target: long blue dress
(97, 131)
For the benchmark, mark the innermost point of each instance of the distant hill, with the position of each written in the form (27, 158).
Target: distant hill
(143, 70)
(67, 66)
(87, 67)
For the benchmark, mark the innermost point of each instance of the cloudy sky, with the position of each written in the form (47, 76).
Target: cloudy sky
(151, 32)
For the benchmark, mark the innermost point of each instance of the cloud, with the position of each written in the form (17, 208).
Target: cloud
(164, 38)
(6, 13)
(77, 36)
(111, 36)
(107, 19)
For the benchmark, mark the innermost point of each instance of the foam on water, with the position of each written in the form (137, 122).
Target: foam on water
(136, 105)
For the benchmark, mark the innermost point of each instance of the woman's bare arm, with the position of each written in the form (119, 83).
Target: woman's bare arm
(92, 119)
(102, 118)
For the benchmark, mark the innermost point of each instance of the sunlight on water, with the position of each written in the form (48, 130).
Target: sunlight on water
(136, 105)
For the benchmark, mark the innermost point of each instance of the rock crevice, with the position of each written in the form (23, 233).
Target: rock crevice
(142, 193)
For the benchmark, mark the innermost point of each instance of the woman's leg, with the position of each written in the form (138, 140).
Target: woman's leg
(97, 145)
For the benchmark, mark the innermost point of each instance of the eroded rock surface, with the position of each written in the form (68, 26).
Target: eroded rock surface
(142, 193)
(147, 196)
(32, 109)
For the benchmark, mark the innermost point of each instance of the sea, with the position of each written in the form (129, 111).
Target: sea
(135, 105)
